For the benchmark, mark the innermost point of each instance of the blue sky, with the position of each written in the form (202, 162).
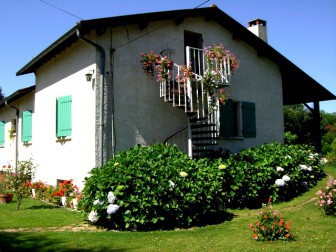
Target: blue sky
(302, 30)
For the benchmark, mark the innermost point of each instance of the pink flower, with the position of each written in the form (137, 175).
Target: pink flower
(329, 201)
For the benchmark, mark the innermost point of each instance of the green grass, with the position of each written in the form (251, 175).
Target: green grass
(313, 231)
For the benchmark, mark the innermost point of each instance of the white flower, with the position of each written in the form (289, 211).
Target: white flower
(311, 156)
(279, 182)
(93, 216)
(171, 184)
(280, 169)
(98, 201)
(288, 157)
(112, 209)
(309, 168)
(183, 174)
(303, 167)
(286, 178)
(324, 160)
(111, 198)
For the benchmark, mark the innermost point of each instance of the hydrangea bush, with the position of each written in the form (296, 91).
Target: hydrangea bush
(159, 187)
(155, 187)
(274, 170)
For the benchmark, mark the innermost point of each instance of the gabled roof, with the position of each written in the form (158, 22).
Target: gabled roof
(298, 87)
(16, 95)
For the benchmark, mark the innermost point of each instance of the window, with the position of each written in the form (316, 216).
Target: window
(2, 132)
(237, 119)
(63, 116)
(26, 135)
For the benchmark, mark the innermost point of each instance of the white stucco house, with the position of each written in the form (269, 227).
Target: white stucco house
(69, 124)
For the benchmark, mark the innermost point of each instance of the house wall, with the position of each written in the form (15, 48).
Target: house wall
(7, 114)
(64, 75)
(141, 117)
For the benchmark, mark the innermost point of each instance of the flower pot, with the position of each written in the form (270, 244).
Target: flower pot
(6, 198)
(74, 202)
(64, 201)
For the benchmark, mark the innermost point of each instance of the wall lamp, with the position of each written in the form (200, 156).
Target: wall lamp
(88, 76)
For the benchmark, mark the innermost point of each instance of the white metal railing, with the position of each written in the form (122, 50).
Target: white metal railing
(193, 96)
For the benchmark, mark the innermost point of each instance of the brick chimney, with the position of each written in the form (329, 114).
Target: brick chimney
(258, 27)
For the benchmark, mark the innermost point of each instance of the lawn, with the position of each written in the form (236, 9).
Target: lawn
(313, 231)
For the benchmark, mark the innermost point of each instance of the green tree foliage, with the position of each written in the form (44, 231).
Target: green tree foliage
(299, 121)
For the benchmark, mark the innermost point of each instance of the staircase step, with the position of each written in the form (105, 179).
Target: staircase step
(204, 132)
(192, 120)
(205, 138)
(205, 144)
(202, 125)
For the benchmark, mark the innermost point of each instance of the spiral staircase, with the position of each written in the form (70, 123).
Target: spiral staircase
(202, 132)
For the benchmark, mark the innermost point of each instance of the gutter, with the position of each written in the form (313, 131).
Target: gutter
(101, 98)
(17, 135)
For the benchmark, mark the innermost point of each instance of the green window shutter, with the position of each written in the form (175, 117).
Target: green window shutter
(2, 132)
(249, 119)
(63, 119)
(226, 123)
(26, 135)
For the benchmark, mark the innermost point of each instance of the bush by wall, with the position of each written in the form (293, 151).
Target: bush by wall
(159, 187)
(155, 187)
(278, 171)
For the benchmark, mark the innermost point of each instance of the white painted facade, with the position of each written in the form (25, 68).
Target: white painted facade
(140, 116)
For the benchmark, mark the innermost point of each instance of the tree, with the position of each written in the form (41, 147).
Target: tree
(299, 121)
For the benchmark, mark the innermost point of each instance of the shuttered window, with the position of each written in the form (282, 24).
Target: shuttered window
(26, 135)
(249, 121)
(237, 119)
(2, 132)
(63, 116)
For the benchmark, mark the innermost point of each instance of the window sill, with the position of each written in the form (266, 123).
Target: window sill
(63, 139)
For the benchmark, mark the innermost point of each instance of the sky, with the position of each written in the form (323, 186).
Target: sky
(304, 31)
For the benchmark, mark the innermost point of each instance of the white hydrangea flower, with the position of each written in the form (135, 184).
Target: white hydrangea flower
(183, 174)
(280, 169)
(303, 167)
(279, 182)
(111, 198)
(98, 201)
(93, 216)
(171, 184)
(286, 178)
(324, 160)
(112, 209)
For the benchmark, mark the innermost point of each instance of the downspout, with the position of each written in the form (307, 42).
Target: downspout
(101, 98)
(17, 111)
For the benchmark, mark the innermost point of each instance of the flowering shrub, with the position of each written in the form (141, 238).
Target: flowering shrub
(147, 61)
(20, 178)
(154, 187)
(327, 199)
(163, 65)
(281, 171)
(270, 226)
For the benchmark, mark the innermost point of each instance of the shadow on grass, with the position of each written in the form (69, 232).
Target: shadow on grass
(25, 242)
(41, 207)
